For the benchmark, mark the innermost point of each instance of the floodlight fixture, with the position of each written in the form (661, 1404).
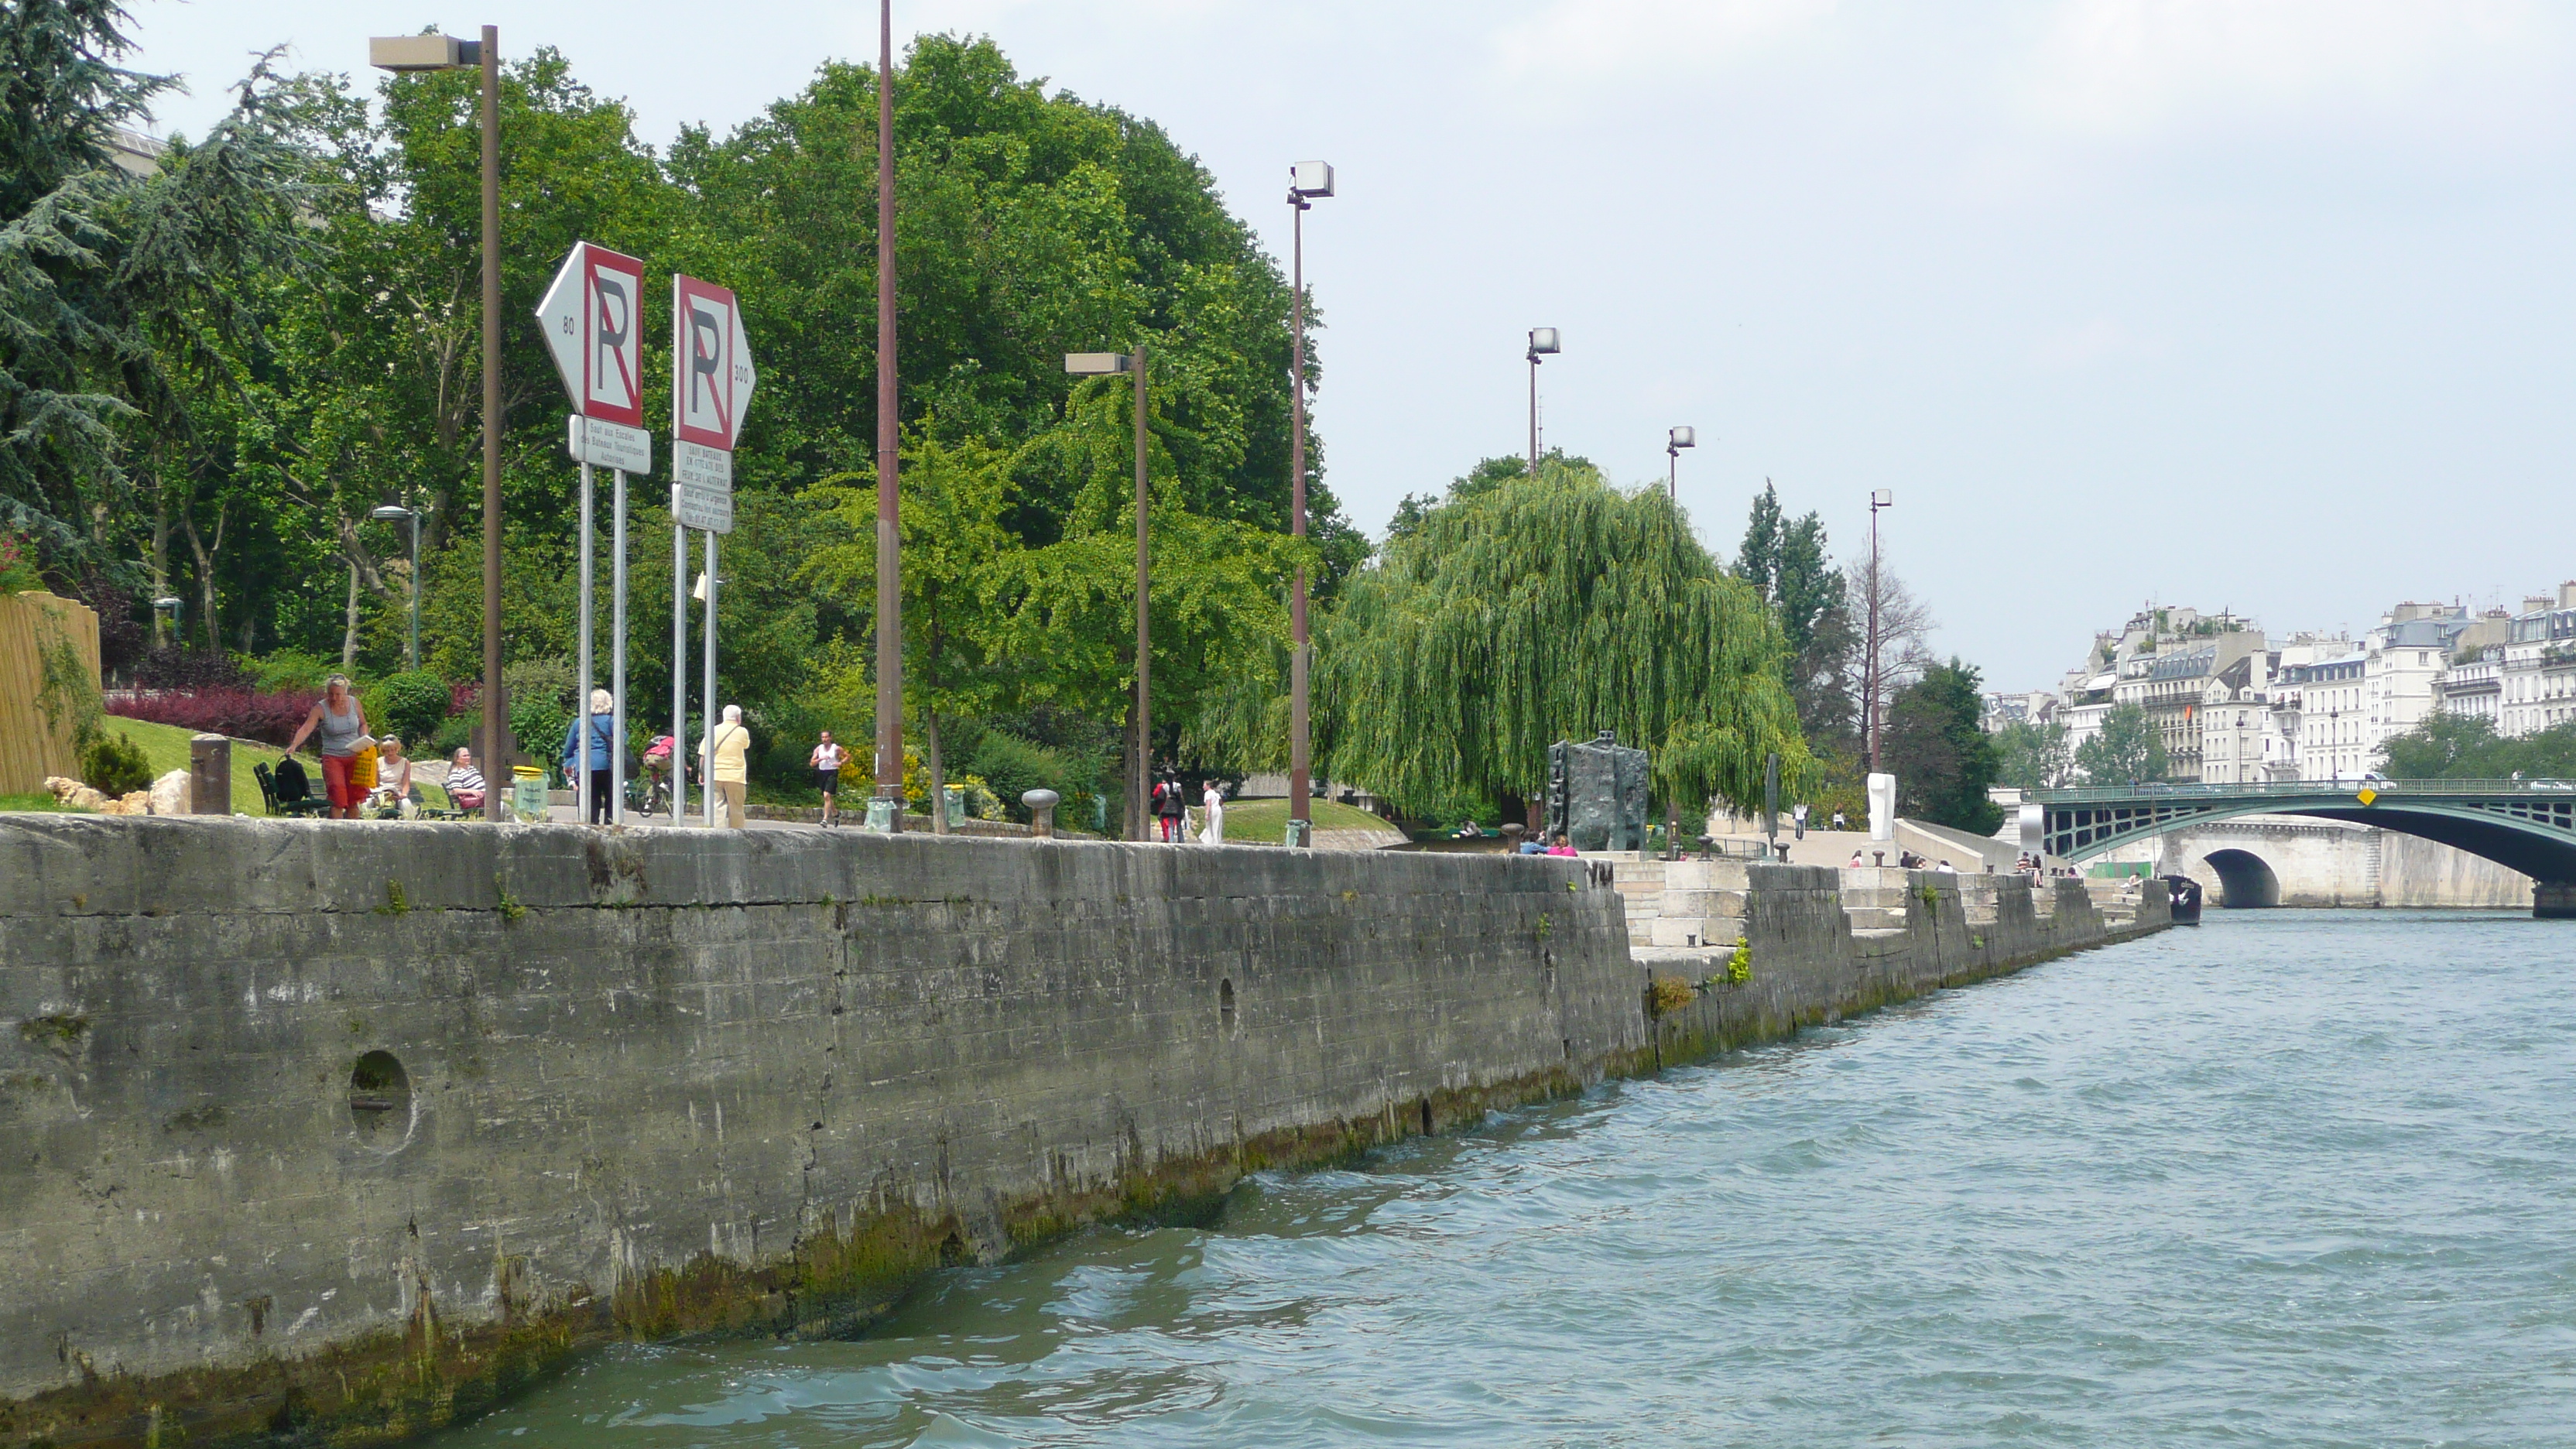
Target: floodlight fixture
(1098, 364)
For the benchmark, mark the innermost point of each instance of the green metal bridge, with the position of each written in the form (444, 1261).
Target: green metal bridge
(2524, 825)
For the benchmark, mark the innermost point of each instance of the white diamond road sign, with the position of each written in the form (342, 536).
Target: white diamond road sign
(711, 383)
(594, 326)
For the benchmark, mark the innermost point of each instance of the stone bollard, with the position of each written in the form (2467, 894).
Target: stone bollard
(1512, 838)
(210, 775)
(1041, 805)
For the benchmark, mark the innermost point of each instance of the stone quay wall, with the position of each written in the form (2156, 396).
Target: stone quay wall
(337, 1132)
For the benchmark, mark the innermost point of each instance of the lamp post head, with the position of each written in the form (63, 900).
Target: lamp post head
(1098, 364)
(404, 54)
(393, 513)
(1683, 438)
(169, 604)
(1310, 179)
(1542, 342)
(1881, 498)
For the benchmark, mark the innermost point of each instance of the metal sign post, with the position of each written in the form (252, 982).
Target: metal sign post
(711, 383)
(594, 327)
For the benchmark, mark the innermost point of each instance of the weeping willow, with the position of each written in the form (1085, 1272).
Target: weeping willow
(1549, 609)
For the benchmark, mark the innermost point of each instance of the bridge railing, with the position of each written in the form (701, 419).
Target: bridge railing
(2300, 789)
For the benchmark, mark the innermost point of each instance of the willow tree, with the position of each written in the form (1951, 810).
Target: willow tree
(1546, 609)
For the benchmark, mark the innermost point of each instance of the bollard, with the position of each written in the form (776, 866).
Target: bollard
(210, 775)
(1041, 805)
(1512, 834)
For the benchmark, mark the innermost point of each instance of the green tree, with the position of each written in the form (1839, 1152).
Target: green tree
(1550, 608)
(2031, 756)
(1939, 752)
(2128, 749)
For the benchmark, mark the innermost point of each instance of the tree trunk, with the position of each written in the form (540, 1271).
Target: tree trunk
(938, 773)
(205, 557)
(349, 625)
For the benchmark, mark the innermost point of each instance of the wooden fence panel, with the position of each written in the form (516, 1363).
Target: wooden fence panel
(30, 749)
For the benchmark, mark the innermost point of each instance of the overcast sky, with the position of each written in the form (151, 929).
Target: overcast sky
(2249, 303)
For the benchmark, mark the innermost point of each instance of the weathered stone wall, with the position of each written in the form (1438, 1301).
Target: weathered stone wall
(1919, 931)
(339, 1131)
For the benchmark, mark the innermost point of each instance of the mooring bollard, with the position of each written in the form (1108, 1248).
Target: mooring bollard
(1041, 805)
(210, 775)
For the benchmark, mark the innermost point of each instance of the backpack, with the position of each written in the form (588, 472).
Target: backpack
(292, 782)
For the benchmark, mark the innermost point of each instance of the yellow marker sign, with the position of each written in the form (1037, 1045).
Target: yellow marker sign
(2368, 797)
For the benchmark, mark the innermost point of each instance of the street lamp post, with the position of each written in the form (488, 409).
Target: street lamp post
(1542, 343)
(1674, 442)
(1878, 499)
(889, 621)
(403, 54)
(1140, 792)
(1307, 180)
(393, 513)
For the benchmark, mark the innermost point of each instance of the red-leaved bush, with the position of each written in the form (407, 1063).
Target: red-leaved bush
(242, 713)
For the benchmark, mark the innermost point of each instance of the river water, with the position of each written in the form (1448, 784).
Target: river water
(2290, 1178)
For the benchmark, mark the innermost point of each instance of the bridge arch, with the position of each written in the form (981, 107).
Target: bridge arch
(2246, 881)
(2525, 826)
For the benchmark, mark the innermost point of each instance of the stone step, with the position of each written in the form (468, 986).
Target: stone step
(1703, 903)
(1682, 932)
(1873, 918)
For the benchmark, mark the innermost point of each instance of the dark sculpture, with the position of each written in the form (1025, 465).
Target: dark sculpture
(1596, 794)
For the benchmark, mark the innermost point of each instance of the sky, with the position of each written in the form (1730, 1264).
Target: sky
(2250, 304)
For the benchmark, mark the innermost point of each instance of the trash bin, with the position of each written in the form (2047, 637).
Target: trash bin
(955, 796)
(881, 816)
(528, 793)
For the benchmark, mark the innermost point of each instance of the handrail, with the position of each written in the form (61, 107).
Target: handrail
(2295, 789)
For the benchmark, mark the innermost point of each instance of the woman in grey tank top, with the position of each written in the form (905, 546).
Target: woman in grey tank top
(344, 731)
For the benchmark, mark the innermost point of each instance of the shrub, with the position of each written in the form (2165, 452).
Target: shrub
(1668, 995)
(241, 713)
(290, 669)
(1010, 766)
(114, 765)
(411, 705)
(17, 565)
(171, 666)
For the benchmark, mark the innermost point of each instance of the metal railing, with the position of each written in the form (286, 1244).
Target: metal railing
(2298, 789)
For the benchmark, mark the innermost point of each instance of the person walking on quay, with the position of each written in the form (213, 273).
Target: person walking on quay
(826, 761)
(344, 729)
(601, 724)
(1169, 807)
(724, 750)
(1213, 802)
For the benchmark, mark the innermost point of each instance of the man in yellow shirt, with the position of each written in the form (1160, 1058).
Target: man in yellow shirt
(725, 746)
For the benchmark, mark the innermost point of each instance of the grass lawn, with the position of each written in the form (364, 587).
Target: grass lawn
(166, 747)
(1265, 822)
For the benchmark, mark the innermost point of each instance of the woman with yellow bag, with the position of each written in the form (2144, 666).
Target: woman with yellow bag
(344, 737)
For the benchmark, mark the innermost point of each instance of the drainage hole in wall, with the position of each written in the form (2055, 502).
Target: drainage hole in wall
(379, 1093)
(1225, 1006)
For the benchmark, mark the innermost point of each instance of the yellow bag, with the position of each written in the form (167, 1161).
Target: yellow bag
(362, 768)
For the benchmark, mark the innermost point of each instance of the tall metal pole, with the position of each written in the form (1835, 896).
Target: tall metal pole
(889, 442)
(679, 664)
(707, 783)
(617, 657)
(581, 711)
(411, 650)
(1869, 667)
(1533, 451)
(495, 718)
(1144, 791)
(1300, 766)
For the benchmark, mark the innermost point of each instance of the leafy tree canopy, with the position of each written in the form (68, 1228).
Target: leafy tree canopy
(2467, 747)
(1550, 608)
(1939, 751)
(2128, 749)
